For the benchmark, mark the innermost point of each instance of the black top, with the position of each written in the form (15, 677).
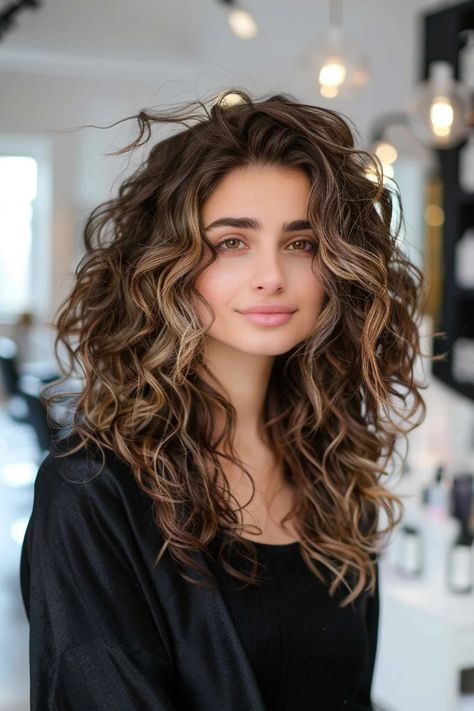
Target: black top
(109, 629)
(306, 652)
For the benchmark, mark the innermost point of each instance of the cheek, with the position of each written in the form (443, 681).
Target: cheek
(319, 295)
(216, 284)
(217, 288)
(311, 290)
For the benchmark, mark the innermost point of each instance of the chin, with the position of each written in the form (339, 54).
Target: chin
(264, 349)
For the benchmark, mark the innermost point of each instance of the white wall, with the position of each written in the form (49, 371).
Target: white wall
(53, 109)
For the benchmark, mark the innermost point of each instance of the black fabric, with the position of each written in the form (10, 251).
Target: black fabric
(306, 652)
(110, 630)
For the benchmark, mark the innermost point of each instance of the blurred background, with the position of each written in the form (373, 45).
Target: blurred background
(403, 73)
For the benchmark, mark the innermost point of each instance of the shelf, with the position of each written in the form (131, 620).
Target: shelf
(442, 41)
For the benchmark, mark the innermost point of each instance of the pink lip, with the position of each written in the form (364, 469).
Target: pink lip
(268, 319)
(268, 309)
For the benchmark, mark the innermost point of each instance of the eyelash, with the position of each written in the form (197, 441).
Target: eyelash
(301, 239)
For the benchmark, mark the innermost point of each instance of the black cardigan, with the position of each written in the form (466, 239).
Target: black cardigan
(108, 630)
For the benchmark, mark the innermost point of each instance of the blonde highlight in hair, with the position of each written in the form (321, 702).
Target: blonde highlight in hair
(129, 326)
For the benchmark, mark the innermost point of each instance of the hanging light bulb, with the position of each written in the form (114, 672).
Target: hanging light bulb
(438, 109)
(241, 22)
(336, 64)
(386, 152)
(333, 71)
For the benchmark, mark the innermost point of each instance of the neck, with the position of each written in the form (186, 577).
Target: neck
(242, 378)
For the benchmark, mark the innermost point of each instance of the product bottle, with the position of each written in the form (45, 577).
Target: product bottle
(466, 61)
(464, 259)
(439, 529)
(460, 564)
(409, 561)
(466, 165)
(437, 496)
(463, 360)
(462, 498)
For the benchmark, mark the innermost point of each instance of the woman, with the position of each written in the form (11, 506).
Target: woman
(205, 535)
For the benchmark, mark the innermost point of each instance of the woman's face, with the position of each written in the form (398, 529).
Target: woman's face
(263, 259)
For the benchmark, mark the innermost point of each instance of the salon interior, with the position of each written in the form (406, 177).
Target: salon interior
(403, 73)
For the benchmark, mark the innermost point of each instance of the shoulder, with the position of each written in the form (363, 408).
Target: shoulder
(82, 473)
(80, 494)
(87, 509)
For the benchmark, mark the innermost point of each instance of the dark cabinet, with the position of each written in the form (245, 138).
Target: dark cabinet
(442, 39)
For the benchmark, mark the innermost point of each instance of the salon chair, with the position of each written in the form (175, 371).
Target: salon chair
(11, 375)
(37, 413)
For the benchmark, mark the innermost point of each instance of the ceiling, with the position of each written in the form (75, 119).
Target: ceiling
(183, 32)
(159, 41)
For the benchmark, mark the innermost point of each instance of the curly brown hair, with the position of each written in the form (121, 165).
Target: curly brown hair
(130, 328)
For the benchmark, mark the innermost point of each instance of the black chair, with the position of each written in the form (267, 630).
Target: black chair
(36, 410)
(17, 407)
(11, 375)
(37, 413)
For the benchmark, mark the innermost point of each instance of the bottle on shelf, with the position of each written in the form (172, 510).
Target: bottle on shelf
(460, 573)
(409, 561)
(466, 165)
(464, 259)
(436, 496)
(462, 498)
(466, 61)
(463, 360)
(439, 529)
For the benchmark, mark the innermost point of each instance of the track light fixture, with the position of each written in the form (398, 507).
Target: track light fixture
(10, 11)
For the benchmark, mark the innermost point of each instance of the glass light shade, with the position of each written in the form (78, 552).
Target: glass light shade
(439, 108)
(336, 65)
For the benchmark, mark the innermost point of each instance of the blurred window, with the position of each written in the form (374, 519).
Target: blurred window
(26, 170)
(18, 220)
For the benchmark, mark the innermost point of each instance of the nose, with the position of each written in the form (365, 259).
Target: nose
(268, 269)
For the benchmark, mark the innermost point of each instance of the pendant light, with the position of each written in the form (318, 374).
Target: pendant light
(337, 66)
(439, 108)
(241, 22)
(379, 143)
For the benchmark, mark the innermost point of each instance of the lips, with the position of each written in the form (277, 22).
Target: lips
(268, 309)
(268, 319)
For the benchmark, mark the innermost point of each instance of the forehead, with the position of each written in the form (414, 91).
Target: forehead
(259, 189)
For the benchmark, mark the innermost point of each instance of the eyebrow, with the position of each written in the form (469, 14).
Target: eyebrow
(250, 223)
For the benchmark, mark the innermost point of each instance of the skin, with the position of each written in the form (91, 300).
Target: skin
(255, 266)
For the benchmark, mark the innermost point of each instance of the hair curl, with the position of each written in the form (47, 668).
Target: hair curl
(129, 326)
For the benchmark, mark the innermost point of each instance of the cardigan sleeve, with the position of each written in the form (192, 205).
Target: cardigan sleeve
(363, 700)
(94, 639)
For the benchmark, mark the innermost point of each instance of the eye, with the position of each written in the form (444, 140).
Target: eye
(232, 243)
(302, 241)
(229, 239)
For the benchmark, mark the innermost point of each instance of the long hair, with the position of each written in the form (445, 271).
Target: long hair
(129, 327)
